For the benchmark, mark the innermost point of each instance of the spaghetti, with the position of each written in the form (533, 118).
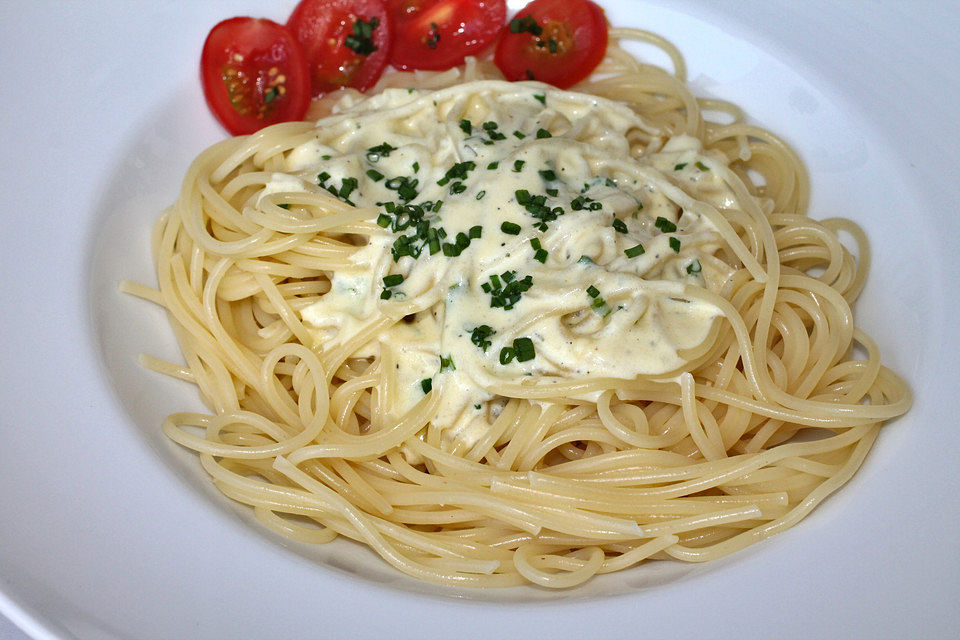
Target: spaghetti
(457, 467)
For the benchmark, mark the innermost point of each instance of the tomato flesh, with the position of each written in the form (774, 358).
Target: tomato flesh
(559, 42)
(253, 74)
(346, 42)
(440, 34)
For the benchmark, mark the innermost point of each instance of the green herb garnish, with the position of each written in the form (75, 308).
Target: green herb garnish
(523, 348)
(664, 225)
(380, 151)
(526, 24)
(361, 40)
(479, 336)
(634, 251)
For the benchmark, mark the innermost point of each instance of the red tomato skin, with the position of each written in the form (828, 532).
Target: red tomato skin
(517, 55)
(263, 46)
(464, 28)
(321, 26)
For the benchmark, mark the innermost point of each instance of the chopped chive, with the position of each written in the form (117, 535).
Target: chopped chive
(451, 250)
(479, 335)
(466, 126)
(610, 183)
(586, 260)
(462, 240)
(326, 156)
(323, 177)
(481, 194)
(592, 291)
(375, 175)
(664, 225)
(535, 243)
(490, 125)
(694, 267)
(523, 196)
(475, 232)
(543, 133)
(285, 205)
(437, 205)
(702, 166)
(383, 220)
(386, 294)
(541, 97)
(457, 187)
(434, 36)
(426, 384)
(634, 251)
(361, 40)
(601, 307)
(392, 280)
(510, 228)
(619, 225)
(446, 362)
(416, 167)
(548, 175)
(526, 24)
(540, 256)
(519, 135)
(553, 192)
(677, 167)
(380, 151)
(518, 165)
(506, 355)
(524, 350)
(493, 166)
(675, 244)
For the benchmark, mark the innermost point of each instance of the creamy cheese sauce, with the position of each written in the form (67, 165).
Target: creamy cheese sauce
(541, 188)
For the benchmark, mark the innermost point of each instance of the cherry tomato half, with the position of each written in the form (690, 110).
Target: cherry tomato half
(439, 34)
(347, 42)
(253, 74)
(555, 41)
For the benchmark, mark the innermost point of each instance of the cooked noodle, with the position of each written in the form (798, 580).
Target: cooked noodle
(572, 477)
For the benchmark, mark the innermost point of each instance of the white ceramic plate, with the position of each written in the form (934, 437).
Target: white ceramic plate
(108, 531)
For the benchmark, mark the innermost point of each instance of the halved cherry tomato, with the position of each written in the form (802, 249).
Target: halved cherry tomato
(439, 34)
(253, 74)
(347, 42)
(555, 41)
